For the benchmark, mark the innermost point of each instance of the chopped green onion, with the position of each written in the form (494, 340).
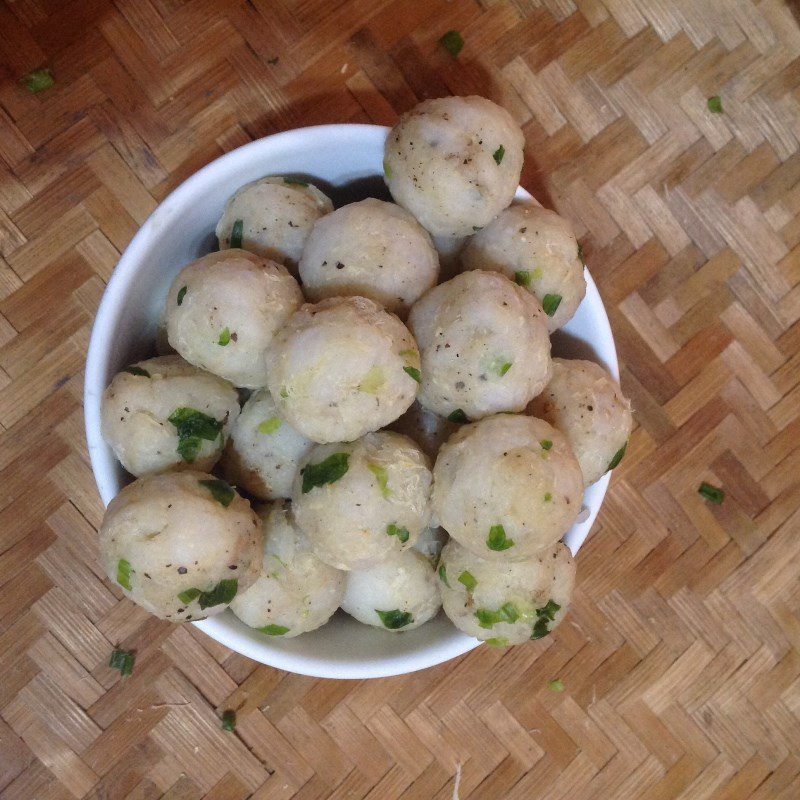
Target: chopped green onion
(546, 444)
(551, 303)
(617, 457)
(189, 595)
(453, 42)
(443, 575)
(414, 373)
(467, 579)
(395, 619)
(548, 497)
(497, 641)
(556, 686)
(522, 278)
(270, 425)
(372, 381)
(327, 471)
(192, 426)
(124, 573)
(122, 660)
(273, 630)
(715, 104)
(498, 155)
(545, 614)
(137, 371)
(222, 492)
(401, 533)
(229, 720)
(387, 170)
(506, 613)
(382, 474)
(505, 368)
(38, 80)
(294, 182)
(457, 416)
(711, 493)
(237, 232)
(223, 592)
(497, 539)
(409, 353)
(224, 337)
(181, 294)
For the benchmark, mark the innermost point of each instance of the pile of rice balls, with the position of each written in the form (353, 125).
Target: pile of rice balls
(406, 444)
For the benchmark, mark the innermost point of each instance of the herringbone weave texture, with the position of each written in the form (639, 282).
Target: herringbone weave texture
(681, 658)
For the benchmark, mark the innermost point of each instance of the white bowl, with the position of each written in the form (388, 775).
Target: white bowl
(347, 161)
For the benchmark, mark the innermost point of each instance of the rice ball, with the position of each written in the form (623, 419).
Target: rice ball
(399, 594)
(224, 309)
(536, 248)
(361, 501)
(163, 413)
(263, 451)
(506, 602)
(181, 545)
(428, 430)
(586, 404)
(454, 163)
(484, 346)
(342, 368)
(272, 218)
(507, 486)
(371, 249)
(295, 592)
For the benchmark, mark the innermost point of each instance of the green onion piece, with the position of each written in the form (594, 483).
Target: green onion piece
(124, 574)
(523, 278)
(395, 619)
(443, 575)
(546, 444)
(38, 80)
(237, 232)
(497, 641)
(387, 170)
(540, 629)
(223, 592)
(273, 630)
(580, 254)
(506, 613)
(192, 426)
(409, 353)
(189, 595)
(294, 182)
(372, 381)
(498, 155)
(284, 392)
(497, 539)
(224, 337)
(551, 303)
(505, 368)
(382, 474)
(548, 497)
(123, 661)
(181, 294)
(545, 614)
(414, 373)
(270, 425)
(617, 457)
(401, 533)
(222, 492)
(453, 42)
(137, 371)
(457, 416)
(715, 104)
(468, 580)
(556, 686)
(229, 720)
(711, 493)
(327, 471)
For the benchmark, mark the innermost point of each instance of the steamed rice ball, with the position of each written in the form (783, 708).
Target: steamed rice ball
(272, 218)
(371, 249)
(263, 451)
(399, 594)
(342, 368)
(484, 346)
(224, 309)
(181, 545)
(454, 163)
(163, 413)
(507, 486)
(295, 592)
(586, 404)
(508, 602)
(536, 248)
(361, 501)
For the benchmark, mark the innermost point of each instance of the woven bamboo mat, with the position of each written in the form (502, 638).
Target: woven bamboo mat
(680, 662)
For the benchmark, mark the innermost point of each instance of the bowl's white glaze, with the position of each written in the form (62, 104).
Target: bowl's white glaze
(345, 160)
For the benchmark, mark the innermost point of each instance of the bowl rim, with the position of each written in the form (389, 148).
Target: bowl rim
(99, 353)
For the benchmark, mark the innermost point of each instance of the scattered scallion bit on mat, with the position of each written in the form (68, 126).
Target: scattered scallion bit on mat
(618, 456)
(443, 575)
(327, 471)
(124, 573)
(497, 539)
(498, 155)
(414, 373)
(467, 579)
(134, 370)
(382, 475)
(457, 416)
(222, 492)
(556, 686)
(395, 530)
(224, 337)
(181, 294)
(551, 303)
(38, 81)
(395, 619)
(711, 493)
(273, 630)
(229, 720)
(237, 232)
(294, 182)
(453, 42)
(715, 104)
(270, 425)
(122, 660)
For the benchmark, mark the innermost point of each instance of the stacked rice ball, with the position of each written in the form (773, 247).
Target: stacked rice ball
(408, 445)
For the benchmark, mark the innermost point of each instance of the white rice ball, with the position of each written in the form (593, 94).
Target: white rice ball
(454, 163)
(276, 216)
(181, 545)
(163, 413)
(224, 309)
(586, 404)
(361, 501)
(371, 249)
(506, 602)
(295, 591)
(342, 368)
(399, 594)
(536, 248)
(507, 486)
(484, 346)
(263, 451)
